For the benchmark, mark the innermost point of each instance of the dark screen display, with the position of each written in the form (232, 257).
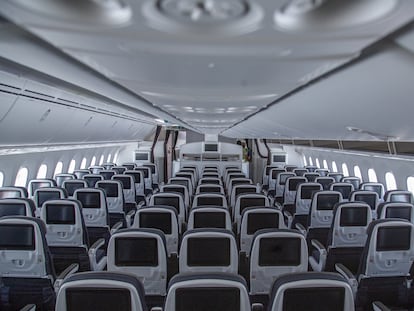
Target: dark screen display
(210, 175)
(209, 220)
(136, 176)
(268, 168)
(300, 172)
(387, 241)
(43, 196)
(60, 214)
(216, 201)
(72, 186)
(311, 177)
(353, 217)
(106, 175)
(200, 252)
(241, 190)
(375, 188)
(210, 181)
(210, 189)
(183, 182)
(240, 182)
(210, 148)
(279, 252)
(9, 194)
(179, 190)
(207, 299)
(314, 299)
(12, 209)
(119, 169)
(345, 190)
(151, 167)
(248, 202)
(89, 199)
(325, 182)
(276, 173)
(402, 198)
(141, 156)
(130, 251)
(336, 176)
(40, 184)
(258, 221)
(125, 181)
(403, 212)
(144, 172)
(161, 221)
(308, 191)
(169, 201)
(369, 198)
(111, 189)
(327, 201)
(294, 183)
(129, 166)
(102, 299)
(279, 158)
(17, 237)
(283, 178)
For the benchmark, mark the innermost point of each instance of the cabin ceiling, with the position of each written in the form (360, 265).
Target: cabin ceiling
(300, 69)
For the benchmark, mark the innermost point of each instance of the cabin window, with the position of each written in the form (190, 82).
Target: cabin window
(390, 181)
(345, 169)
(317, 163)
(21, 177)
(334, 167)
(310, 161)
(58, 168)
(357, 172)
(83, 164)
(41, 173)
(372, 176)
(101, 159)
(410, 184)
(305, 162)
(115, 157)
(109, 158)
(93, 161)
(325, 164)
(72, 166)
(1, 179)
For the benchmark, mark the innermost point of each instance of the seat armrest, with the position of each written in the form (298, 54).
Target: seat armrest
(257, 307)
(129, 217)
(349, 277)
(379, 306)
(318, 264)
(277, 205)
(31, 307)
(301, 228)
(95, 264)
(116, 227)
(140, 204)
(64, 274)
(289, 218)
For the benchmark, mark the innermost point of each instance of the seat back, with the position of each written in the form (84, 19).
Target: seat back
(210, 188)
(142, 253)
(322, 206)
(344, 188)
(183, 181)
(81, 172)
(241, 189)
(17, 207)
(248, 200)
(291, 188)
(154, 172)
(325, 182)
(119, 169)
(208, 251)
(218, 292)
(395, 210)
(323, 291)
(389, 250)
(176, 188)
(163, 218)
(210, 181)
(114, 195)
(190, 177)
(209, 217)
(337, 176)
(94, 207)
(209, 199)
(255, 219)
(64, 223)
(70, 185)
(238, 181)
(128, 186)
(290, 168)
(35, 184)
(45, 194)
(311, 177)
(369, 197)
(374, 186)
(129, 166)
(231, 177)
(95, 169)
(274, 253)
(25, 253)
(13, 192)
(61, 177)
(401, 196)
(101, 291)
(146, 174)
(281, 183)
(108, 165)
(138, 181)
(304, 194)
(266, 174)
(107, 174)
(174, 200)
(322, 171)
(349, 225)
(354, 180)
(273, 173)
(300, 171)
